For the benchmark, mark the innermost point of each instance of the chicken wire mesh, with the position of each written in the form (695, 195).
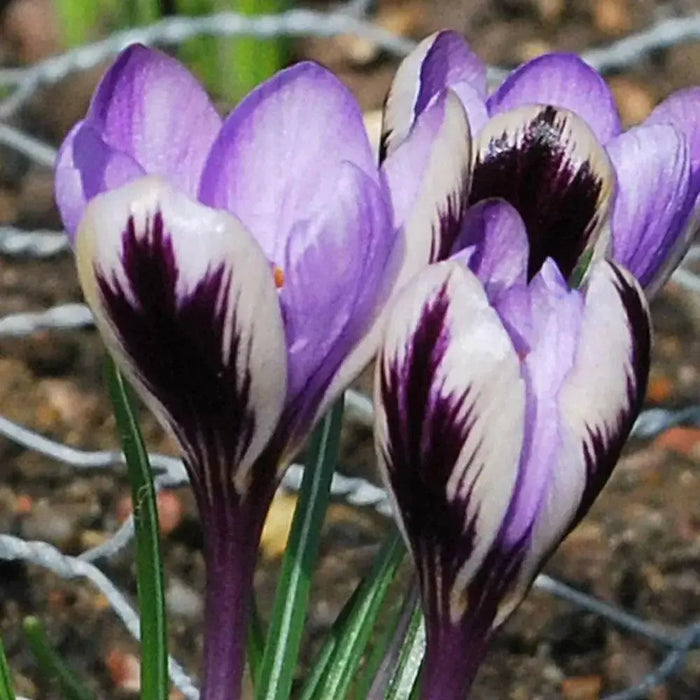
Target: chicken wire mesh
(350, 18)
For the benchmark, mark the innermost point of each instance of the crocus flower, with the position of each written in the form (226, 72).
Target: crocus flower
(509, 376)
(517, 153)
(499, 420)
(237, 271)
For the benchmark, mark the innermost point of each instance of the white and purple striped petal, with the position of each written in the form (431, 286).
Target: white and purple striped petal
(185, 299)
(548, 164)
(586, 373)
(428, 176)
(441, 61)
(450, 404)
(561, 80)
(654, 201)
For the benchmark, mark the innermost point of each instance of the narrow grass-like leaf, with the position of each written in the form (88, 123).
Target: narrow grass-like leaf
(79, 20)
(405, 682)
(350, 648)
(256, 59)
(6, 692)
(292, 596)
(330, 644)
(386, 652)
(149, 568)
(51, 664)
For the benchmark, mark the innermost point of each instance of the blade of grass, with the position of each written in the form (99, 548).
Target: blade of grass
(292, 596)
(330, 644)
(6, 692)
(404, 683)
(79, 20)
(149, 569)
(348, 652)
(385, 655)
(51, 664)
(255, 60)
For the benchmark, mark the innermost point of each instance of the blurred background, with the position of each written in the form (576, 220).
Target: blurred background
(639, 548)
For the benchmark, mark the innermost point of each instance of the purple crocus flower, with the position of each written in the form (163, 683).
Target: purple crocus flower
(237, 271)
(525, 158)
(510, 375)
(500, 415)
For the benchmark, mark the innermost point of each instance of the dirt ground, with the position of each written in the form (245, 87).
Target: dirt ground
(639, 548)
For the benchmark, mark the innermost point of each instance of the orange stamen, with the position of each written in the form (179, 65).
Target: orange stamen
(278, 275)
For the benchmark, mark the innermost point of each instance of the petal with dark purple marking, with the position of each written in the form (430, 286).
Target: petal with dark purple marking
(562, 80)
(449, 427)
(653, 202)
(186, 301)
(548, 164)
(428, 177)
(592, 386)
(439, 62)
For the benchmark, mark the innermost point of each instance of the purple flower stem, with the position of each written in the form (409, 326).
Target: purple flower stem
(452, 658)
(232, 534)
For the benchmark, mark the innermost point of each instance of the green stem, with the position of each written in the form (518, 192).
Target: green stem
(51, 664)
(149, 570)
(6, 692)
(292, 597)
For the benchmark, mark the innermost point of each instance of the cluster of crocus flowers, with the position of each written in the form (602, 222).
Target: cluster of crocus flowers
(237, 271)
(243, 271)
(510, 374)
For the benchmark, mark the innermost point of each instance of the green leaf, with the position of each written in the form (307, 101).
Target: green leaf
(292, 597)
(351, 646)
(6, 692)
(256, 59)
(51, 664)
(385, 654)
(149, 568)
(405, 680)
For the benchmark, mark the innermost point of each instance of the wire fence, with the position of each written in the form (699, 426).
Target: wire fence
(350, 18)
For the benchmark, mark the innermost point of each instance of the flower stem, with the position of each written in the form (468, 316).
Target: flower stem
(452, 659)
(230, 564)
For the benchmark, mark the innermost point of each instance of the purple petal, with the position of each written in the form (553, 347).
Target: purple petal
(428, 177)
(278, 157)
(682, 110)
(548, 164)
(439, 62)
(185, 300)
(586, 377)
(652, 206)
(495, 236)
(334, 267)
(561, 80)
(448, 429)
(86, 166)
(151, 108)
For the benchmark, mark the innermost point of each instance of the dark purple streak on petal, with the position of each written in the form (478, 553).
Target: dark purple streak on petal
(558, 199)
(603, 450)
(180, 348)
(426, 433)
